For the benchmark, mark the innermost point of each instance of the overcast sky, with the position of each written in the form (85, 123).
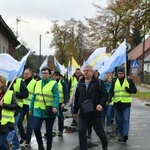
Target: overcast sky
(36, 17)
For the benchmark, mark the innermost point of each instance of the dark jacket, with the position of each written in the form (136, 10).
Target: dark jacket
(20, 95)
(95, 92)
(23, 90)
(132, 90)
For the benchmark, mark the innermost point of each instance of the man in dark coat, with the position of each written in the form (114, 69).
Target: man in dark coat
(90, 88)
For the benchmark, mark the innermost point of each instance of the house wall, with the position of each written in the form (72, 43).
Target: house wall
(147, 67)
(4, 44)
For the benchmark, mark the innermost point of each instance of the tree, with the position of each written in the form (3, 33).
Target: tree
(115, 23)
(68, 39)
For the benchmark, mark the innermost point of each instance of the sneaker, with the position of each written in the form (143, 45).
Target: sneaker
(60, 133)
(125, 138)
(22, 142)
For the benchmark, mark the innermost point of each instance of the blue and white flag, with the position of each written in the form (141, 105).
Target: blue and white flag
(10, 68)
(44, 64)
(116, 60)
(59, 67)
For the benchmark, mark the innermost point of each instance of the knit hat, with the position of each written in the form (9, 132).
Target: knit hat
(2, 79)
(121, 69)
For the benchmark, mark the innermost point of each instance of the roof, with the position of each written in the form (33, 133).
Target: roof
(4, 28)
(137, 52)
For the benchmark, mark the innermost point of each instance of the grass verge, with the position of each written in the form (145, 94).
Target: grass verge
(142, 95)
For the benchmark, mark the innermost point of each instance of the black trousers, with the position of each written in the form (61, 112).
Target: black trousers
(98, 126)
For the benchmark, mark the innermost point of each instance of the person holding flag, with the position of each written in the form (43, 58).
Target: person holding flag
(8, 105)
(21, 92)
(121, 90)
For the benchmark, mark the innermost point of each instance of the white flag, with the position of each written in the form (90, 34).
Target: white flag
(10, 67)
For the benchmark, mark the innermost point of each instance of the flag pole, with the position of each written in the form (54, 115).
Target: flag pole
(125, 61)
(9, 87)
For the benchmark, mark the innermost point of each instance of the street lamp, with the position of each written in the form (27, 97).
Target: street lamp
(17, 22)
(40, 45)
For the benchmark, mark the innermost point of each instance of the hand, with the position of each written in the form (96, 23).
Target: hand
(99, 107)
(54, 110)
(1, 103)
(62, 106)
(30, 112)
(127, 89)
(75, 116)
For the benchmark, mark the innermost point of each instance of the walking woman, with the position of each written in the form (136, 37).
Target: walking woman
(45, 95)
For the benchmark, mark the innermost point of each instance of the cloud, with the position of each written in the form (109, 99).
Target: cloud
(40, 13)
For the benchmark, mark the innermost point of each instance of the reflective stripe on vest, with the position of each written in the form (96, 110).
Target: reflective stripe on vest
(7, 115)
(61, 95)
(45, 92)
(120, 94)
(30, 88)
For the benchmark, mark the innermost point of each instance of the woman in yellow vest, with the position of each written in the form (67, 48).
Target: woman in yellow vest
(8, 105)
(46, 94)
(121, 90)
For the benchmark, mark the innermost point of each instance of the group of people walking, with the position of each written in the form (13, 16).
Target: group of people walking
(44, 99)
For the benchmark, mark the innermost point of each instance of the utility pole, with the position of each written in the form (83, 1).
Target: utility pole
(40, 51)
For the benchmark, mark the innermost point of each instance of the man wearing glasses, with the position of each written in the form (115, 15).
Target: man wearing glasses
(88, 89)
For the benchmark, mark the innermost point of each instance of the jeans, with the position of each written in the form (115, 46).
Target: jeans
(97, 124)
(26, 136)
(3, 138)
(109, 113)
(37, 123)
(60, 119)
(123, 120)
(13, 135)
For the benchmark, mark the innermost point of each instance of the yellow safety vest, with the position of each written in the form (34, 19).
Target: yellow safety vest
(61, 95)
(16, 87)
(45, 92)
(120, 94)
(30, 88)
(7, 115)
(73, 83)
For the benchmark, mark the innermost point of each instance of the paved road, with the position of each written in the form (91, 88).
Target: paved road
(139, 136)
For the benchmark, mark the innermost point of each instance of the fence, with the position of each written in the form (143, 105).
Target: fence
(139, 79)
